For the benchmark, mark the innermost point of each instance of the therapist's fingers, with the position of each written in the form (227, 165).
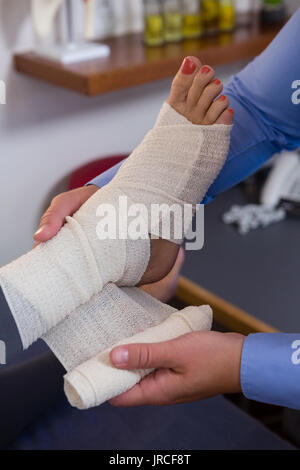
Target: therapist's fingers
(192, 367)
(146, 355)
(161, 386)
(61, 206)
(158, 388)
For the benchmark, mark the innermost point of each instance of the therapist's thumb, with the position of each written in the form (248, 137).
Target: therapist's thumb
(61, 206)
(144, 356)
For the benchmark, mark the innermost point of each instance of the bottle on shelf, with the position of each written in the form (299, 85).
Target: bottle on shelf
(226, 15)
(273, 11)
(244, 12)
(192, 22)
(154, 23)
(210, 16)
(173, 18)
(98, 19)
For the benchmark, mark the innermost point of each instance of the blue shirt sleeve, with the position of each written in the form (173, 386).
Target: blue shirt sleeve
(266, 119)
(266, 115)
(270, 368)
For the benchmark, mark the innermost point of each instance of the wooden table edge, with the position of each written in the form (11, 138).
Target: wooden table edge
(225, 313)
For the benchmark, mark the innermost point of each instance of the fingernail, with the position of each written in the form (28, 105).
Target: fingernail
(188, 66)
(231, 110)
(217, 81)
(205, 69)
(222, 98)
(120, 356)
(40, 230)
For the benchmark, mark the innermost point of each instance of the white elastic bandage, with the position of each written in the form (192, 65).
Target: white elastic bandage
(51, 281)
(176, 163)
(107, 318)
(96, 380)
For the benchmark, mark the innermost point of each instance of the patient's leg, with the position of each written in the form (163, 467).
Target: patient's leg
(31, 387)
(175, 164)
(40, 380)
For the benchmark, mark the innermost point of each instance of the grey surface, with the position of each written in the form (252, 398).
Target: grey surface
(258, 272)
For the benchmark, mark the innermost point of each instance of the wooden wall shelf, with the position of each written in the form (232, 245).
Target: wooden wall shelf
(131, 63)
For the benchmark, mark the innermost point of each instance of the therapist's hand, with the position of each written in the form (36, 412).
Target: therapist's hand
(61, 206)
(192, 367)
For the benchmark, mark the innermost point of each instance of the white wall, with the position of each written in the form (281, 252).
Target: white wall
(46, 132)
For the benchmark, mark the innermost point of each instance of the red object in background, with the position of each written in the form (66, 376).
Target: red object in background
(87, 172)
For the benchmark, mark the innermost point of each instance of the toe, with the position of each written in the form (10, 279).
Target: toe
(226, 117)
(210, 92)
(201, 79)
(215, 110)
(183, 80)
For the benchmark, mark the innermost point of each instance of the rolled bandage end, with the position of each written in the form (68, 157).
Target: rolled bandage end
(97, 380)
(198, 318)
(79, 391)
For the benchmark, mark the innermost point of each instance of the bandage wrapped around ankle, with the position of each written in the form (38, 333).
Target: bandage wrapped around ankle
(175, 164)
(97, 380)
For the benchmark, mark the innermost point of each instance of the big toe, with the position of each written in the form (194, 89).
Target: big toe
(183, 80)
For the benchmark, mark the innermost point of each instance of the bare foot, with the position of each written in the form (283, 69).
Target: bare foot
(196, 94)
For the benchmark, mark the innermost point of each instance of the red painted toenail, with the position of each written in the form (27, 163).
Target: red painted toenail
(217, 81)
(231, 110)
(188, 66)
(222, 98)
(205, 69)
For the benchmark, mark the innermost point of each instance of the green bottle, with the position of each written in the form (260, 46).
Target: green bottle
(192, 22)
(210, 16)
(154, 23)
(226, 15)
(173, 19)
(273, 11)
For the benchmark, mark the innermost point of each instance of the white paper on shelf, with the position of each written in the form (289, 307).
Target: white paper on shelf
(43, 14)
